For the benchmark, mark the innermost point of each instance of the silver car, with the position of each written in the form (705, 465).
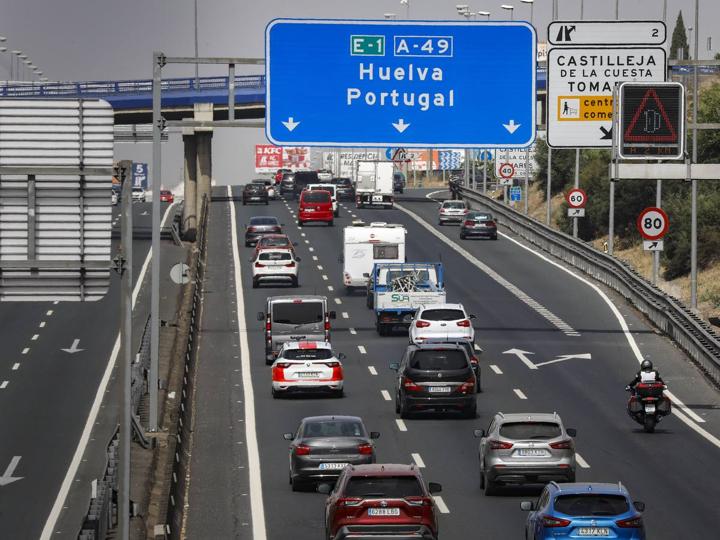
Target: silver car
(452, 212)
(525, 449)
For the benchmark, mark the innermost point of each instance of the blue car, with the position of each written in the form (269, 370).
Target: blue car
(584, 510)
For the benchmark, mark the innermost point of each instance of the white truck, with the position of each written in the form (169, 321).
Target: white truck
(367, 244)
(374, 183)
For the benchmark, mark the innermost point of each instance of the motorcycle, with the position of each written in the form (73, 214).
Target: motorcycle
(648, 404)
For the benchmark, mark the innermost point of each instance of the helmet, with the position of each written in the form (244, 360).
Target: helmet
(646, 365)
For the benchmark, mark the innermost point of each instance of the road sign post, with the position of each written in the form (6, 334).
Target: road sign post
(394, 82)
(576, 199)
(653, 224)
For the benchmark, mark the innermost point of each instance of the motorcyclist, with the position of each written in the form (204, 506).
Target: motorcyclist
(646, 374)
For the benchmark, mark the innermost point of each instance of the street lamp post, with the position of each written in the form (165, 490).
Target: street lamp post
(532, 5)
(197, 66)
(406, 3)
(509, 8)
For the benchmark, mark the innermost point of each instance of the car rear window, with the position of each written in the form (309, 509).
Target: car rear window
(442, 314)
(330, 189)
(254, 187)
(342, 182)
(454, 204)
(530, 430)
(316, 197)
(385, 251)
(307, 354)
(438, 360)
(591, 504)
(333, 428)
(274, 256)
(302, 313)
(386, 487)
(274, 242)
(263, 221)
(479, 216)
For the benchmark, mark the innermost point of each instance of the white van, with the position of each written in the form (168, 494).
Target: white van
(333, 195)
(364, 245)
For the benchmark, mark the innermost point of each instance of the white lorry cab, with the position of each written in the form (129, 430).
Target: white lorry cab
(374, 183)
(367, 244)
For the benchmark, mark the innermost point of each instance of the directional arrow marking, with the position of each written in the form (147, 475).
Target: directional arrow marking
(522, 356)
(7, 477)
(607, 134)
(563, 357)
(291, 124)
(511, 126)
(74, 347)
(401, 125)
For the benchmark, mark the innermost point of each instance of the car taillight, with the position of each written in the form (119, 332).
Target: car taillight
(421, 324)
(251, 229)
(258, 265)
(409, 385)
(418, 501)
(469, 223)
(327, 323)
(290, 265)
(278, 372)
(549, 521)
(562, 445)
(464, 324)
(474, 360)
(268, 325)
(490, 224)
(467, 386)
(631, 523)
(350, 501)
(365, 449)
(302, 450)
(500, 445)
(443, 211)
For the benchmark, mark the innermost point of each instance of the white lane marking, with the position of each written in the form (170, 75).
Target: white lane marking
(633, 345)
(324, 277)
(302, 234)
(256, 499)
(353, 331)
(372, 370)
(476, 347)
(314, 257)
(361, 349)
(311, 249)
(35, 337)
(56, 302)
(345, 315)
(496, 369)
(307, 241)
(49, 312)
(401, 424)
(26, 350)
(429, 195)
(548, 315)
(519, 393)
(687, 410)
(319, 267)
(441, 504)
(59, 503)
(418, 461)
(16, 366)
(42, 324)
(581, 461)
(338, 301)
(522, 356)
(385, 395)
(3, 385)
(331, 288)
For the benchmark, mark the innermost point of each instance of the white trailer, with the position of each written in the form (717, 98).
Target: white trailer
(364, 245)
(374, 183)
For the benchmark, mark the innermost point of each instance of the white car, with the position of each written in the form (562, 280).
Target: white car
(138, 194)
(333, 195)
(452, 211)
(304, 366)
(275, 265)
(441, 322)
(114, 198)
(324, 175)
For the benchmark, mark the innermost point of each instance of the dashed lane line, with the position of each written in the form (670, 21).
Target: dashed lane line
(314, 257)
(519, 393)
(338, 301)
(581, 461)
(26, 350)
(372, 370)
(361, 349)
(3, 385)
(331, 288)
(345, 315)
(441, 504)
(352, 331)
(400, 424)
(496, 369)
(310, 249)
(16, 366)
(42, 324)
(418, 461)
(385, 395)
(325, 278)
(35, 337)
(320, 267)
(49, 312)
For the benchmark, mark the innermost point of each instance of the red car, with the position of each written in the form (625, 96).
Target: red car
(167, 196)
(315, 205)
(381, 499)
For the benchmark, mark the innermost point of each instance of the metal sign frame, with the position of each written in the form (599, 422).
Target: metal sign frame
(565, 29)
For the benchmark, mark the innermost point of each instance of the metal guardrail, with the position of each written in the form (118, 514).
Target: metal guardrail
(101, 516)
(693, 335)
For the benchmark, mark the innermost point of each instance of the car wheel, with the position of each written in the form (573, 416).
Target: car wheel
(494, 237)
(276, 395)
(462, 236)
(256, 283)
(404, 410)
(267, 202)
(337, 213)
(479, 384)
(471, 412)
(482, 479)
(490, 487)
(300, 223)
(247, 244)
(370, 301)
(339, 393)
(397, 404)
(296, 484)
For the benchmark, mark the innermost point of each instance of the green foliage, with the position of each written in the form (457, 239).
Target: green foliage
(679, 39)
(563, 168)
(709, 111)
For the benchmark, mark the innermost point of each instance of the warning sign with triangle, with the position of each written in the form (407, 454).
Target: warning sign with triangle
(650, 123)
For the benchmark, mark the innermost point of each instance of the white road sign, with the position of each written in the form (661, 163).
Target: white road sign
(576, 198)
(653, 223)
(580, 88)
(653, 245)
(607, 33)
(516, 157)
(576, 212)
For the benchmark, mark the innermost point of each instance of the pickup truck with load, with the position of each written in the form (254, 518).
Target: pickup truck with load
(374, 183)
(399, 289)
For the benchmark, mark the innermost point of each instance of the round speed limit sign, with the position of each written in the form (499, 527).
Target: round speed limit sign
(576, 198)
(507, 170)
(653, 223)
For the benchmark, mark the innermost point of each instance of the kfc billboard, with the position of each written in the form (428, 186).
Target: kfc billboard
(270, 158)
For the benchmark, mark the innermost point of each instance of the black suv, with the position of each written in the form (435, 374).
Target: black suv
(435, 377)
(398, 182)
(256, 193)
(344, 189)
(302, 179)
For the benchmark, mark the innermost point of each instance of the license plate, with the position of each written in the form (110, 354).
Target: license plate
(308, 374)
(594, 531)
(531, 452)
(255, 198)
(377, 198)
(439, 389)
(309, 209)
(332, 466)
(650, 408)
(383, 511)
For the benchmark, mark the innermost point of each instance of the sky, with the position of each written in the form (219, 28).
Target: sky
(79, 40)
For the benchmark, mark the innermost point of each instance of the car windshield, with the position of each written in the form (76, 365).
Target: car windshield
(438, 360)
(137, 190)
(591, 504)
(298, 313)
(442, 314)
(274, 242)
(342, 182)
(330, 189)
(307, 354)
(263, 221)
(316, 197)
(387, 487)
(479, 216)
(275, 256)
(454, 204)
(530, 430)
(333, 428)
(262, 182)
(254, 187)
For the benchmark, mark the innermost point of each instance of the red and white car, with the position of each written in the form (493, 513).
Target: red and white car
(452, 211)
(448, 322)
(307, 366)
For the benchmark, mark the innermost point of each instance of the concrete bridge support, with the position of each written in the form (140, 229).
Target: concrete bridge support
(189, 218)
(197, 144)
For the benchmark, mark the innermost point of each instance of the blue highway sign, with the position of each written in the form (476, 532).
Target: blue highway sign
(400, 83)
(516, 193)
(140, 175)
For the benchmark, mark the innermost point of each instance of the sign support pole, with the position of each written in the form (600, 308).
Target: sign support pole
(577, 185)
(527, 180)
(466, 180)
(613, 177)
(693, 216)
(484, 172)
(656, 254)
(548, 193)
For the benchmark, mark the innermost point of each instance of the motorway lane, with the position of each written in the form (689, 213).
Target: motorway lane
(587, 394)
(45, 404)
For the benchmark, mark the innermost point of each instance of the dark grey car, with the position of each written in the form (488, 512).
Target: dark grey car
(259, 226)
(323, 446)
(478, 224)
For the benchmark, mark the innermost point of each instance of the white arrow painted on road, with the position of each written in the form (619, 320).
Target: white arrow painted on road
(7, 477)
(401, 125)
(511, 126)
(563, 357)
(291, 124)
(74, 347)
(522, 355)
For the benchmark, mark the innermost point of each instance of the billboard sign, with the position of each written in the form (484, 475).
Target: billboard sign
(140, 175)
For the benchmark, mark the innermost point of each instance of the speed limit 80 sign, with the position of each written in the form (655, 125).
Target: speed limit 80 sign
(653, 223)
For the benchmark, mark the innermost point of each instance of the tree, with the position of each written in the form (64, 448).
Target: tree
(563, 168)
(679, 39)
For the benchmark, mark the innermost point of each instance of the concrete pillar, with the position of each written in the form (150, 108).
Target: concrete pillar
(203, 142)
(189, 218)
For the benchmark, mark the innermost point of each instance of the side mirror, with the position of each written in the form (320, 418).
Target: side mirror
(365, 274)
(295, 244)
(434, 487)
(260, 316)
(298, 259)
(472, 317)
(332, 315)
(342, 356)
(288, 436)
(571, 431)
(479, 433)
(325, 489)
(395, 366)
(527, 506)
(639, 506)
(374, 434)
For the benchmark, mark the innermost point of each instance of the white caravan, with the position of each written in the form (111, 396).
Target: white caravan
(364, 245)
